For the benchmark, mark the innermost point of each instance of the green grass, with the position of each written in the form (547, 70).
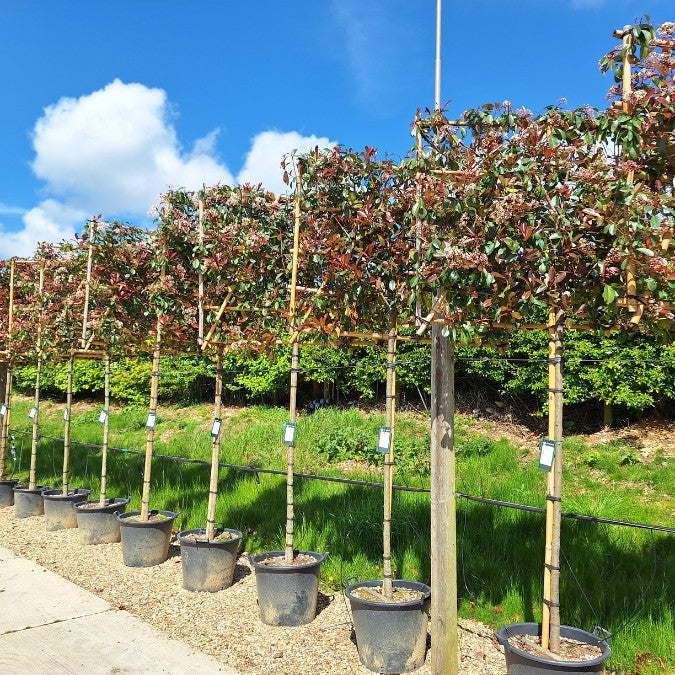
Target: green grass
(620, 578)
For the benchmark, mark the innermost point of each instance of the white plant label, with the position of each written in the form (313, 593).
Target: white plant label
(289, 434)
(32, 412)
(66, 414)
(3, 410)
(101, 418)
(546, 454)
(384, 442)
(215, 429)
(152, 419)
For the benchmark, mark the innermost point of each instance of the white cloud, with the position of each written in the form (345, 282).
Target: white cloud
(115, 150)
(6, 209)
(263, 162)
(48, 221)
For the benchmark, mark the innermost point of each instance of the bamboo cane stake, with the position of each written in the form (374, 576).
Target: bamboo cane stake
(87, 284)
(223, 306)
(388, 477)
(444, 635)
(36, 399)
(66, 430)
(149, 445)
(293, 394)
(626, 90)
(6, 421)
(200, 337)
(215, 453)
(4, 435)
(550, 637)
(106, 430)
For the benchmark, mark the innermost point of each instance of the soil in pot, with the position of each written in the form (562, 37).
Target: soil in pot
(287, 594)
(145, 542)
(580, 652)
(7, 492)
(59, 509)
(28, 503)
(391, 633)
(98, 524)
(208, 565)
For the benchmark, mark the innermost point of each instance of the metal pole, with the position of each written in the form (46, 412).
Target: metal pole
(437, 88)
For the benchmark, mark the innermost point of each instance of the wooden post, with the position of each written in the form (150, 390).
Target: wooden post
(293, 393)
(200, 336)
(215, 453)
(36, 399)
(388, 477)
(550, 634)
(106, 429)
(66, 430)
(444, 638)
(154, 386)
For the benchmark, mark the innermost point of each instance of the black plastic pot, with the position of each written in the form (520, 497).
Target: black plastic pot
(208, 565)
(145, 542)
(98, 524)
(27, 502)
(287, 595)
(7, 492)
(391, 637)
(59, 511)
(519, 662)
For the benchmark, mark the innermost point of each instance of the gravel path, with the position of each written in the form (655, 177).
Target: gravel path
(225, 624)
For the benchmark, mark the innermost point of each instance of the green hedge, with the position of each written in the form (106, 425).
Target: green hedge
(637, 373)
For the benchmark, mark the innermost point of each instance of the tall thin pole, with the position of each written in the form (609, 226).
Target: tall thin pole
(215, 452)
(4, 434)
(149, 443)
(36, 400)
(66, 430)
(444, 638)
(550, 633)
(87, 284)
(389, 457)
(293, 394)
(437, 71)
(106, 430)
(200, 280)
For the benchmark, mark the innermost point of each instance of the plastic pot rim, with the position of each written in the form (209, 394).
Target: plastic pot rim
(396, 583)
(57, 494)
(254, 560)
(193, 543)
(518, 628)
(38, 489)
(110, 501)
(123, 518)
(10, 481)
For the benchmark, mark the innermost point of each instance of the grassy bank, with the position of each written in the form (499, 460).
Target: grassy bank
(616, 577)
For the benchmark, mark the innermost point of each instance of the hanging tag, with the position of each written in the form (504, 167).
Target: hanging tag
(215, 429)
(289, 434)
(66, 414)
(102, 416)
(546, 454)
(384, 442)
(3, 410)
(152, 419)
(32, 412)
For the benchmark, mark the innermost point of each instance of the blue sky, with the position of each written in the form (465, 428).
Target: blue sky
(106, 104)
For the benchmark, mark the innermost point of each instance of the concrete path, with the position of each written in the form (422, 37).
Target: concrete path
(49, 625)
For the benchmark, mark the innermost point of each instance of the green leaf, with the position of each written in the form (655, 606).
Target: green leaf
(609, 295)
